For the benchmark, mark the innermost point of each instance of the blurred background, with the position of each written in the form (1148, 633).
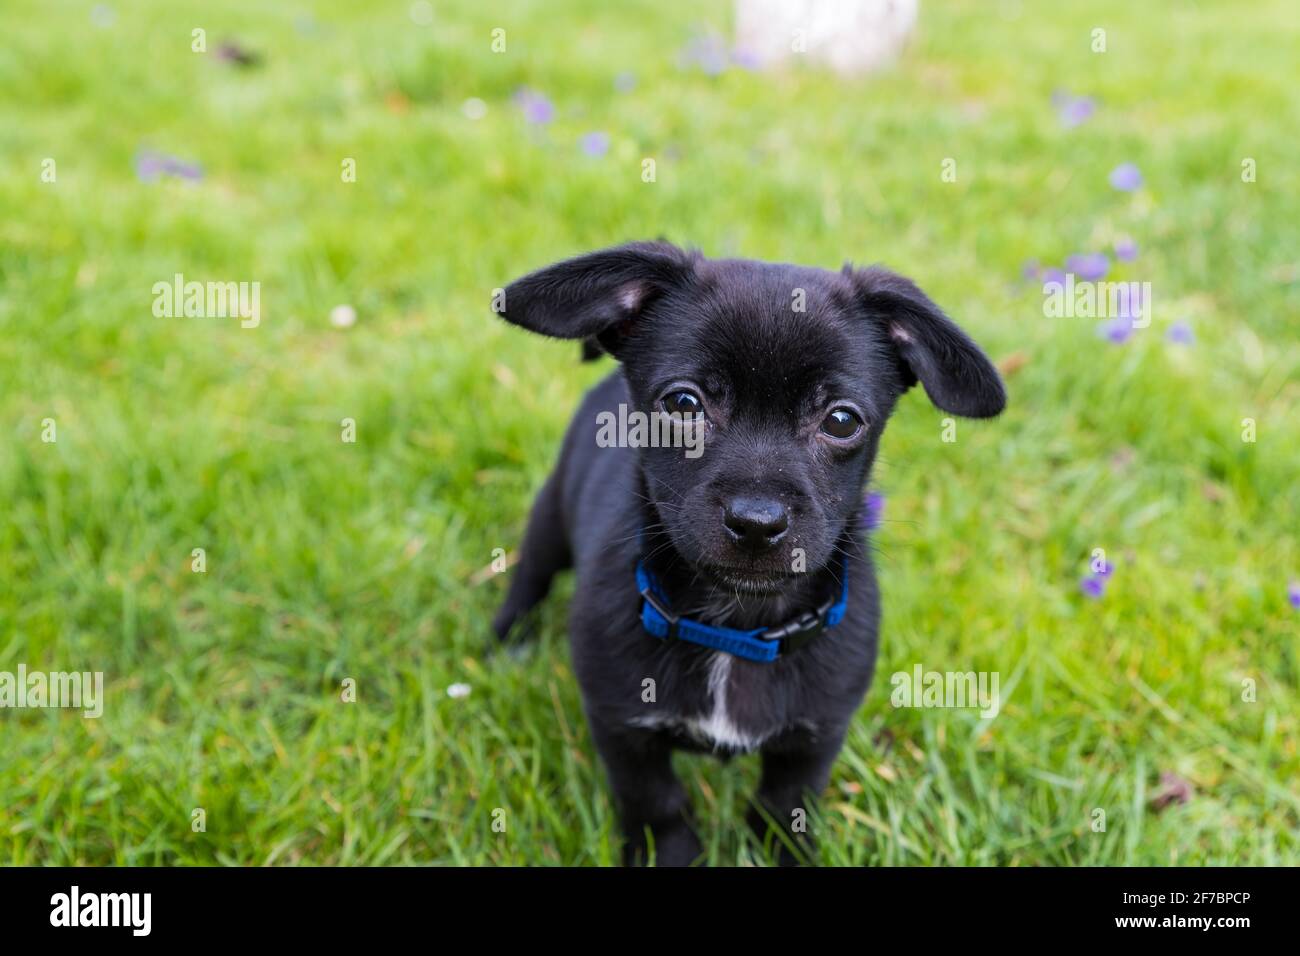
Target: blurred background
(379, 169)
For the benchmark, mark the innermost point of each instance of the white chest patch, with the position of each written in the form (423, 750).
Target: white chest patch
(715, 727)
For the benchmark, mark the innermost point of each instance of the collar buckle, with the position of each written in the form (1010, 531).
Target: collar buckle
(795, 633)
(664, 610)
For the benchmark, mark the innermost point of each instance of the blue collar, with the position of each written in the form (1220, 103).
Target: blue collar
(763, 644)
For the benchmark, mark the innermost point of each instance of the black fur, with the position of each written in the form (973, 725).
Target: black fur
(768, 376)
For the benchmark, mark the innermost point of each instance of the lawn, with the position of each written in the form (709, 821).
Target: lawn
(1170, 703)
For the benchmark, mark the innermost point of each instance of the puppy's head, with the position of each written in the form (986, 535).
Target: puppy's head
(788, 375)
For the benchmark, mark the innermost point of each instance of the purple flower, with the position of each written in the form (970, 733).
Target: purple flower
(536, 107)
(1089, 266)
(595, 144)
(1116, 330)
(1126, 250)
(191, 171)
(1104, 571)
(746, 59)
(1030, 269)
(875, 510)
(1293, 595)
(148, 166)
(625, 82)
(151, 166)
(1053, 274)
(1074, 111)
(1092, 587)
(1126, 177)
(1180, 333)
(708, 53)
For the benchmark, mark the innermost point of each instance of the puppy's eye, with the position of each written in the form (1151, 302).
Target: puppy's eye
(842, 423)
(682, 402)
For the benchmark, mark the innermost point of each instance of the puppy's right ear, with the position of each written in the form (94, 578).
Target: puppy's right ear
(599, 294)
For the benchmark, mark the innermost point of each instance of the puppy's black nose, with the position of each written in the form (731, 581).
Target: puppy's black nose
(755, 523)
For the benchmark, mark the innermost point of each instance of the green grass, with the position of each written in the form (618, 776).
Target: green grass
(328, 560)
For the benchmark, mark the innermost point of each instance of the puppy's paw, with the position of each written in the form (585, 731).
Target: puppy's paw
(674, 845)
(780, 845)
(511, 627)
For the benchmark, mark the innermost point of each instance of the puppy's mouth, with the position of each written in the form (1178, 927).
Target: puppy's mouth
(748, 580)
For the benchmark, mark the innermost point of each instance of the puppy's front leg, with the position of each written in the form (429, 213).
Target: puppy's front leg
(543, 553)
(792, 781)
(649, 797)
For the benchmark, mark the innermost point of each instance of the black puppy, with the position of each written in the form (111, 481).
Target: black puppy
(725, 597)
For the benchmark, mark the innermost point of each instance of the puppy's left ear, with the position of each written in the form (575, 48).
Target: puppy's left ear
(957, 376)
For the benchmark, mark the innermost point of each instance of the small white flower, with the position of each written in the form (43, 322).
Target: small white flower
(343, 316)
(422, 13)
(458, 690)
(474, 108)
